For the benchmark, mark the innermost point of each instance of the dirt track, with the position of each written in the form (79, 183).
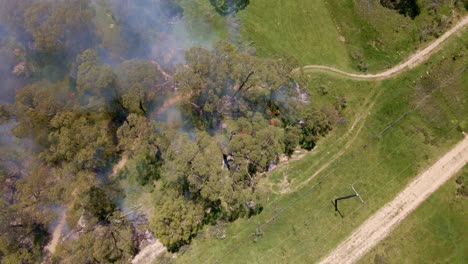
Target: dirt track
(379, 225)
(417, 58)
(52, 246)
(149, 253)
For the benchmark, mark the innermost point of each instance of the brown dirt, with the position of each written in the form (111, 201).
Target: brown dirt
(149, 253)
(384, 221)
(117, 167)
(52, 246)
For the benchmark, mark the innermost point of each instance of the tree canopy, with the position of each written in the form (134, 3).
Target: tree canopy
(94, 140)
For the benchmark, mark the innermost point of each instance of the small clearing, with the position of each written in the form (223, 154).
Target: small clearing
(384, 221)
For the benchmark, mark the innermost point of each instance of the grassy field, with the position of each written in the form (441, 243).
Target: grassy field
(275, 28)
(435, 233)
(301, 29)
(378, 37)
(347, 34)
(301, 226)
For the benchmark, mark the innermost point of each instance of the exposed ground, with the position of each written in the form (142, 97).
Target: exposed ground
(56, 235)
(149, 253)
(117, 167)
(388, 217)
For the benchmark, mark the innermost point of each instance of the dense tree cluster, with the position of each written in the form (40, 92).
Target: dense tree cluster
(80, 111)
(405, 7)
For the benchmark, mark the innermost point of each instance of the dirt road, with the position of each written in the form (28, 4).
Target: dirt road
(417, 58)
(149, 253)
(378, 226)
(56, 235)
(117, 167)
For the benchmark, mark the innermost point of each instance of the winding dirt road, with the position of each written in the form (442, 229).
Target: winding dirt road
(378, 226)
(414, 60)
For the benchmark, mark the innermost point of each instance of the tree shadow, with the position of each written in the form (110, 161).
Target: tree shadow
(228, 7)
(405, 7)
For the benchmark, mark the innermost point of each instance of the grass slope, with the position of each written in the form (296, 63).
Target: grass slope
(346, 34)
(379, 37)
(435, 233)
(302, 29)
(302, 226)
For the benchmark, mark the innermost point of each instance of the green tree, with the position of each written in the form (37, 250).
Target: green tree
(103, 243)
(24, 218)
(36, 105)
(138, 88)
(230, 83)
(405, 7)
(5, 114)
(82, 140)
(259, 148)
(95, 83)
(143, 143)
(175, 219)
(316, 124)
(96, 203)
(292, 137)
(34, 194)
(12, 15)
(56, 25)
(226, 7)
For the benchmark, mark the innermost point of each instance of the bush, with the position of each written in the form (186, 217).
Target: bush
(227, 7)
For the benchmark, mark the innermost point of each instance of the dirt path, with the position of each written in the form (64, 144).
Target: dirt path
(417, 58)
(379, 225)
(52, 246)
(152, 251)
(117, 167)
(149, 253)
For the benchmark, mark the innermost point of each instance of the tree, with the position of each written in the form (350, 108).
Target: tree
(142, 141)
(229, 83)
(34, 194)
(138, 132)
(5, 114)
(82, 140)
(104, 243)
(175, 219)
(12, 15)
(315, 124)
(259, 147)
(405, 7)
(95, 83)
(56, 25)
(226, 7)
(138, 85)
(96, 203)
(292, 137)
(23, 219)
